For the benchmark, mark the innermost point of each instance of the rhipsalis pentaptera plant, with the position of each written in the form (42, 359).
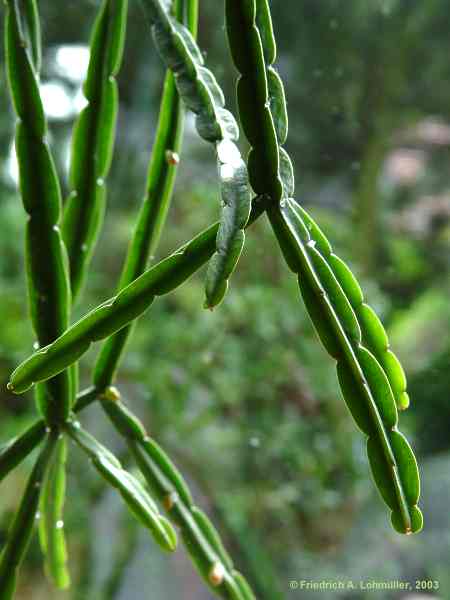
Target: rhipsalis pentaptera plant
(371, 378)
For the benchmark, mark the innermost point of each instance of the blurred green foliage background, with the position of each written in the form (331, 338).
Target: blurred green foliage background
(244, 398)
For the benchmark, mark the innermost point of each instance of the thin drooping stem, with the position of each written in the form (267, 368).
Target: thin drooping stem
(328, 297)
(369, 374)
(136, 498)
(22, 527)
(17, 449)
(93, 141)
(158, 194)
(47, 269)
(255, 96)
(48, 283)
(201, 539)
(51, 521)
(119, 311)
